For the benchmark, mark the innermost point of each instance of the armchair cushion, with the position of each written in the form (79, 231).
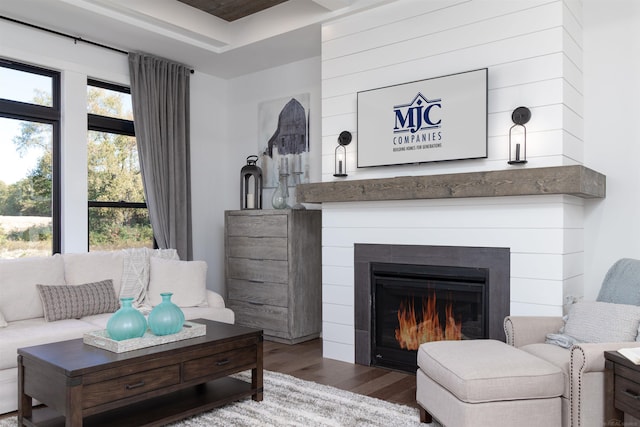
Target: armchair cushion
(555, 355)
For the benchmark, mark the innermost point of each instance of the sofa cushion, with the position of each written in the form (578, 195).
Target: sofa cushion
(135, 274)
(94, 267)
(593, 321)
(76, 301)
(25, 333)
(488, 370)
(187, 280)
(18, 280)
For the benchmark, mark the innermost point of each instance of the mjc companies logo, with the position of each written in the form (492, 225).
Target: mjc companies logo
(418, 121)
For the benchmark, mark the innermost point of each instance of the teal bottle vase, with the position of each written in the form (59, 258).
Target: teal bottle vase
(127, 322)
(166, 318)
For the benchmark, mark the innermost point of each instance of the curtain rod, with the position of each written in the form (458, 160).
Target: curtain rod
(76, 39)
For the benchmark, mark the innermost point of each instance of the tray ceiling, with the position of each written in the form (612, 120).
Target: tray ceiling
(230, 10)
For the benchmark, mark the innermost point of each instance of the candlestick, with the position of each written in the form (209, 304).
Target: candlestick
(297, 165)
(250, 201)
(517, 152)
(284, 165)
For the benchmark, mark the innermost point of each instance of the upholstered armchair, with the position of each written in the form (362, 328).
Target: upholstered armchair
(587, 397)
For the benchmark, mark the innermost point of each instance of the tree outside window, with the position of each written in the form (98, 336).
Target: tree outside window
(118, 217)
(29, 141)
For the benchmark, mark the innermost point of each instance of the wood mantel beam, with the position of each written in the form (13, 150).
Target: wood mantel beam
(574, 180)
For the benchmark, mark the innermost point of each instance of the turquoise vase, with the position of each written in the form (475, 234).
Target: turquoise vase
(127, 322)
(166, 318)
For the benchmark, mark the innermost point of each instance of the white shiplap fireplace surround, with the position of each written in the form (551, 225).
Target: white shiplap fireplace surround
(533, 50)
(535, 212)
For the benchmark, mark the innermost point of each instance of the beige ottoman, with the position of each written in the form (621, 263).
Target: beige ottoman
(486, 383)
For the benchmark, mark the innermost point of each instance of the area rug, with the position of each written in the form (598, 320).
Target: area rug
(292, 402)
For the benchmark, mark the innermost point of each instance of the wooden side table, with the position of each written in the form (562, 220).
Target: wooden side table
(626, 383)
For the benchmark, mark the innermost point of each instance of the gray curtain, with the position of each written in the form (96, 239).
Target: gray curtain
(160, 97)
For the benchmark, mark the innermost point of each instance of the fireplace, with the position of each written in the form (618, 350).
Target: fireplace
(408, 294)
(412, 304)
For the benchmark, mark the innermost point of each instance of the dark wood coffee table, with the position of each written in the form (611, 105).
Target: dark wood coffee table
(147, 387)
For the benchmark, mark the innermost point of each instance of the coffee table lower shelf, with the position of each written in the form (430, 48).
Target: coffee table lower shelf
(160, 410)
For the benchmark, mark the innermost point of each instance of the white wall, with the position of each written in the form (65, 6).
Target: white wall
(224, 132)
(612, 134)
(249, 91)
(210, 173)
(533, 52)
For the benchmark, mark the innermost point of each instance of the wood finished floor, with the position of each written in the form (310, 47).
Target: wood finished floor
(305, 361)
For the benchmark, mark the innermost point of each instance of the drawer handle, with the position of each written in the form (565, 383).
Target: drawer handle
(632, 394)
(256, 281)
(255, 303)
(222, 362)
(136, 385)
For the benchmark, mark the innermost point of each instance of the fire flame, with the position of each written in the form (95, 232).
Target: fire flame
(411, 333)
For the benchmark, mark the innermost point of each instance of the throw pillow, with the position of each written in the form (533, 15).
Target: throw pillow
(19, 298)
(135, 274)
(3, 322)
(76, 301)
(187, 280)
(94, 266)
(603, 322)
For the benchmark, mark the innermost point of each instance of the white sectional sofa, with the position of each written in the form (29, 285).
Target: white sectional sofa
(27, 314)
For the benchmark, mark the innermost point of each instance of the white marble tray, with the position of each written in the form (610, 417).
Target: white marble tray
(102, 340)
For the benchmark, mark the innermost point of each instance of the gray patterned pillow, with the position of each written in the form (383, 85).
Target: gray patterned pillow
(76, 301)
(596, 321)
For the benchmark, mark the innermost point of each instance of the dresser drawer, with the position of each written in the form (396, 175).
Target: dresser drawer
(257, 226)
(261, 316)
(627, 396)
(208, 367)
(274, 248)
(129, 385)
(258, 270)
(259, 292)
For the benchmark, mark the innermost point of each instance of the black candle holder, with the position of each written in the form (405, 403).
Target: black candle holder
(251, 172)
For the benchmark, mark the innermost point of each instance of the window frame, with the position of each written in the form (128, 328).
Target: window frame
(18, 110)
(114, 125)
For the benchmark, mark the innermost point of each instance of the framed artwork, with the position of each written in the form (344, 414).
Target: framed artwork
(283, 140)
(443, 118)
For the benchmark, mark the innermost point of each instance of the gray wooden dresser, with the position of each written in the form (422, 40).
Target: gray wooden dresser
(273, 271)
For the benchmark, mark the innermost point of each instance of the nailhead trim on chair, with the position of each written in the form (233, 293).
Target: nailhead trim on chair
(571, 387)
(511, 339)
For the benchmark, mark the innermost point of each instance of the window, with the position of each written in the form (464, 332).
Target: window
(29, 160)
(118, 215)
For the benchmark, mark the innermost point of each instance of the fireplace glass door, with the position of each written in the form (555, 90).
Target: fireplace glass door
(414, 304)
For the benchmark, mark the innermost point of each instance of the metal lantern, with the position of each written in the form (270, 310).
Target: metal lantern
(251, 185)
(518, 136)
(340, 166)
